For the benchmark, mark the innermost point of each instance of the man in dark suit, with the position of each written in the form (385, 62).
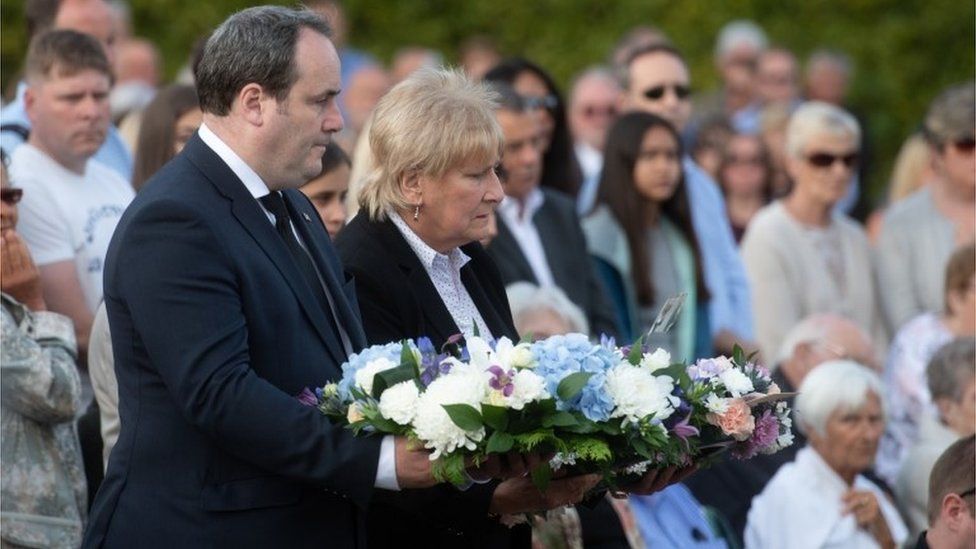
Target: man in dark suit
(539, 235)
(225, 300)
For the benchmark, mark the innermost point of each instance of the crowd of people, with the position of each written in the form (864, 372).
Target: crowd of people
(180, 260)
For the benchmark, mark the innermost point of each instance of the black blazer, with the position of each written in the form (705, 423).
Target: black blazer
(565, 248)
(215, 331)
(398, 300)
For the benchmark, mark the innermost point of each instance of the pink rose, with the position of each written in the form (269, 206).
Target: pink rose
(773, 389)
(737, 421)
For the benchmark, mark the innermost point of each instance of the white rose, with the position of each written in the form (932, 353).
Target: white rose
(655, 361)
(522, 356)
(353, 414)
(364, 377)
(399, 403)
(736, 382)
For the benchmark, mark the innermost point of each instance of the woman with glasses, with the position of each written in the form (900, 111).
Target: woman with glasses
(43, 498)
(822, 498)
(746, 177)
(919, 233)
(560, 169)
(801, 255)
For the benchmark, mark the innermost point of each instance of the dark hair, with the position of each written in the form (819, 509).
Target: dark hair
(619, 193)
(40, 16)
(952, 474)
(508, 99)
(656, 47)
(157, 130)
(764, 158)
(560, 169)
(66, 51)
(333, 157)
(256, 45)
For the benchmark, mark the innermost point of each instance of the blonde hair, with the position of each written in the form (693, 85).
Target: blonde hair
(907, 175)
(432, 122)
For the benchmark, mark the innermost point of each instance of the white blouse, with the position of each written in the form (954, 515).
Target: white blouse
(445, 272)
(801, 507)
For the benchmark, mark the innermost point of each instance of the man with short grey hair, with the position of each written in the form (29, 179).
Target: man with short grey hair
(226, 300)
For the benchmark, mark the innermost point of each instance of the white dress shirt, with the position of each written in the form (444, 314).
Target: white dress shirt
(802, 507)
(386, 468)
(518, 219)
(445, 272)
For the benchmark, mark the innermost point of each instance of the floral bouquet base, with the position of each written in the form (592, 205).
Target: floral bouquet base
(599, 408)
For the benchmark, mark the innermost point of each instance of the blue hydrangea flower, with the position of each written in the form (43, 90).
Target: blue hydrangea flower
(356, 361)
(562, 355)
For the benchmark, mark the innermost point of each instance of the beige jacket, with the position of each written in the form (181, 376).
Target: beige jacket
(789, 278)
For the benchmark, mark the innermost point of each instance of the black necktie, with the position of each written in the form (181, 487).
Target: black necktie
(276, 205)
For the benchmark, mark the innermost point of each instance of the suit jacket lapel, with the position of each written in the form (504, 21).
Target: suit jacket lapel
(546, 223)
(505, 246)
(316, 240)
(439, 320)
(488, 309)
(250, 215)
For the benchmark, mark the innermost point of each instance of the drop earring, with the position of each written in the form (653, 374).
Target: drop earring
(416, 212)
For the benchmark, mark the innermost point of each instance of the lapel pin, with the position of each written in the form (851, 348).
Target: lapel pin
(307, 218)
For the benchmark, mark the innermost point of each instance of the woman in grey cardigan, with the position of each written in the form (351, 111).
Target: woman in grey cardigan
(802, 256)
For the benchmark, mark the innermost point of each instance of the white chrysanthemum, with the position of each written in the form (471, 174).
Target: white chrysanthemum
(716, 404)
(528, 387)
(636, 393)
(399, 403)
(657, 360)
(364, 377)
(432, 424)
(736, 382)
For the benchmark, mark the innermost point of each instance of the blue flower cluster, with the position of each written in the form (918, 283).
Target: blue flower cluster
(560, 356)
(358, 360)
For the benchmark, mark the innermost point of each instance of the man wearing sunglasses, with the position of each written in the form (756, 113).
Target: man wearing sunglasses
(920, 232)
(656, 80)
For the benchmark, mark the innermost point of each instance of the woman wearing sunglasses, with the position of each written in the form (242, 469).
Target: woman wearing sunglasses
(42, 487)
(801, 256)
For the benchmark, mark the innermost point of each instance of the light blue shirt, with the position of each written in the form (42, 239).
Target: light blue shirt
(730, 307)
(114, 152)
(673, 518)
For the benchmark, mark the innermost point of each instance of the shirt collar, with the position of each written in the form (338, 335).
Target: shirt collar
(510, 206)
(427, 255)
(252, 181)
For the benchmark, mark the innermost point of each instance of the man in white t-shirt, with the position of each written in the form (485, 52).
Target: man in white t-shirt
(71, 203)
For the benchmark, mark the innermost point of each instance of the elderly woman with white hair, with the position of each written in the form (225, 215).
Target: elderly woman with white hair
(821, 499)
(540, 312)
(801, 256)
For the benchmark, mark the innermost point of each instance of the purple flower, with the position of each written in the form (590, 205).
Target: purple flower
(683, 429)
(501, 380)
(307, 397)
(763, 436)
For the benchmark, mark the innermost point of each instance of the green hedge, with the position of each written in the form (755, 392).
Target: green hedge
(905, 50)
